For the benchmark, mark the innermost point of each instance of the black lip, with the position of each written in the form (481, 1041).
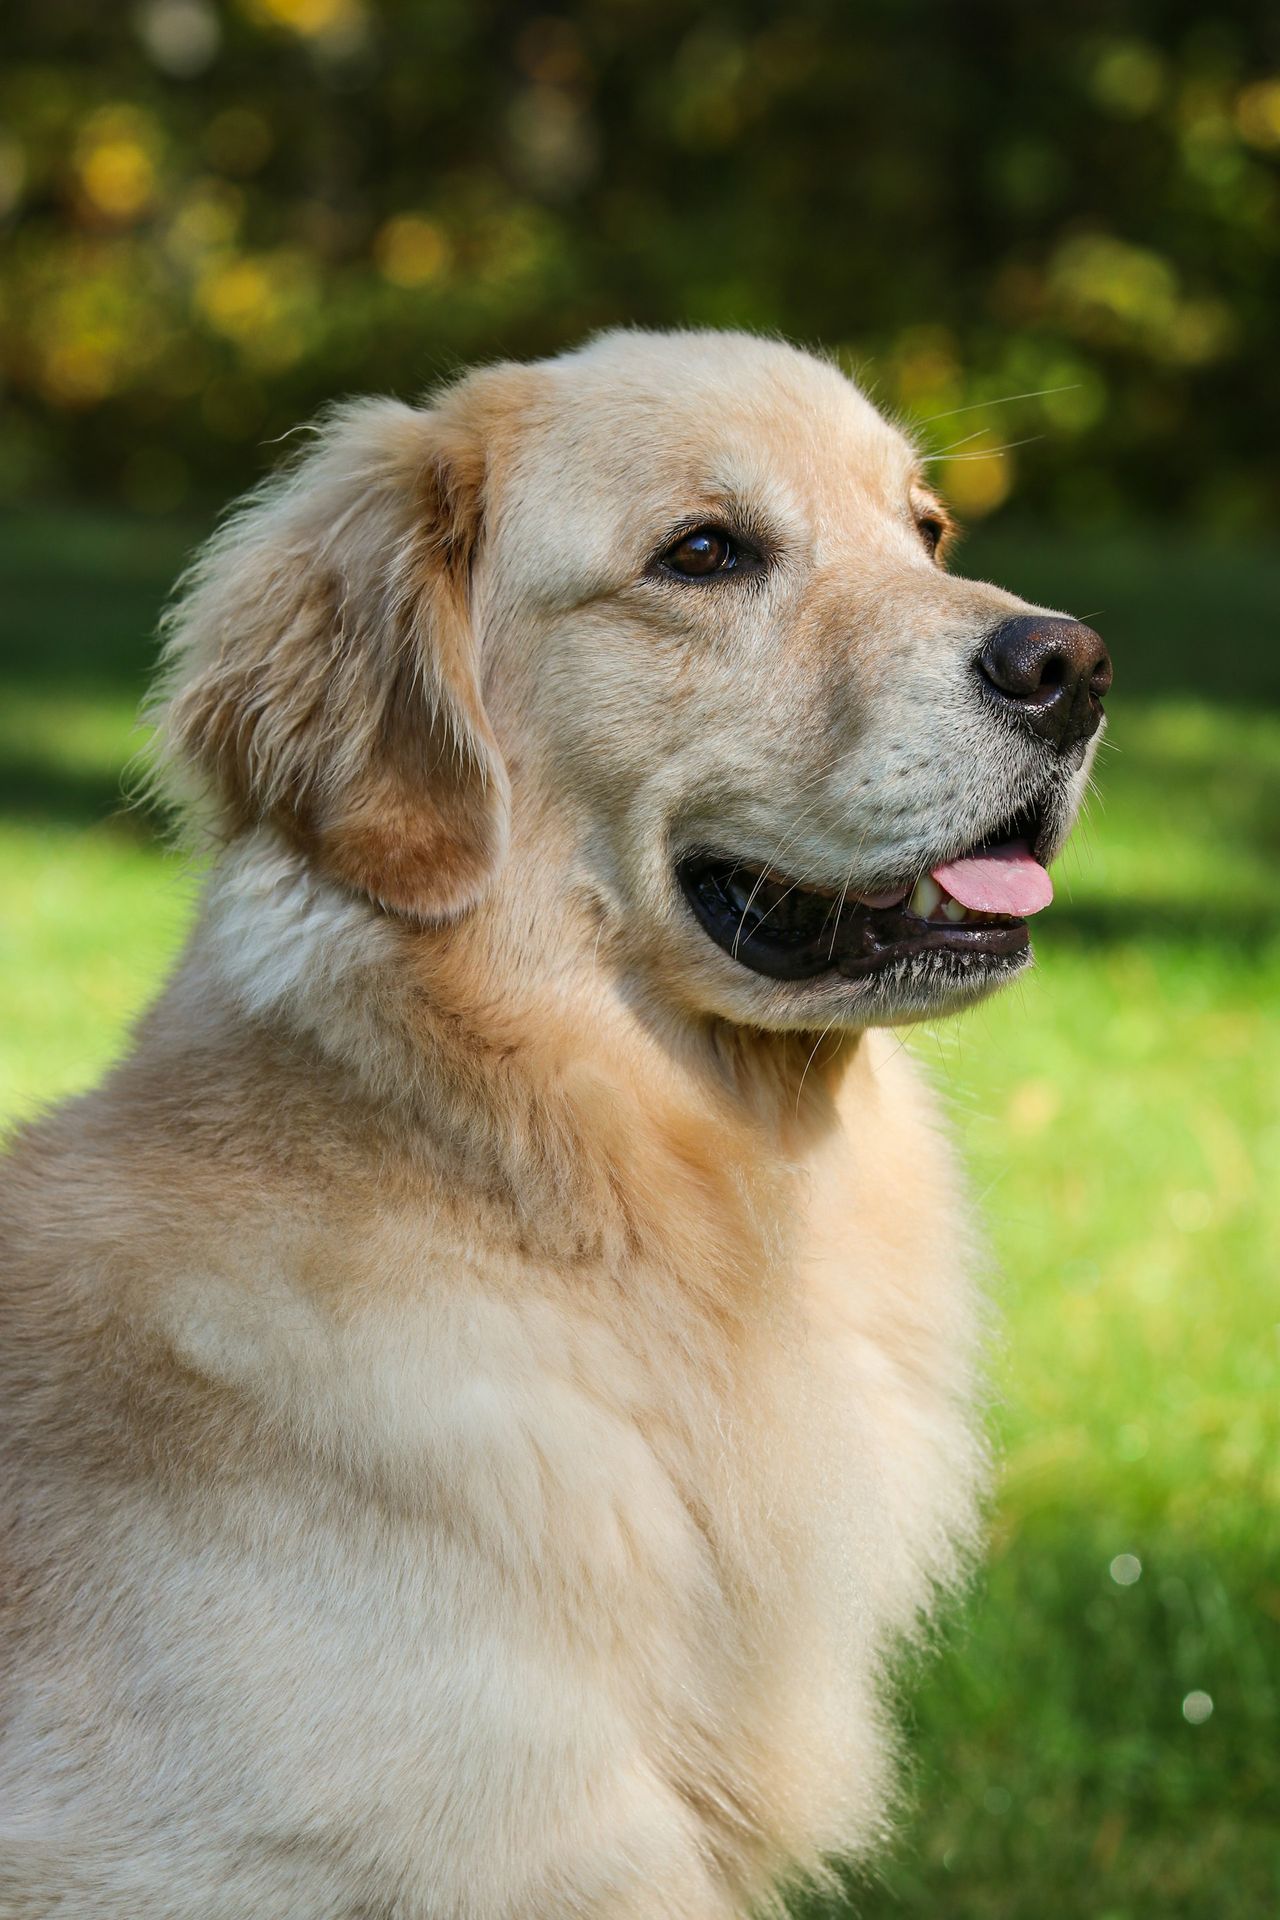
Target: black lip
(803, 934)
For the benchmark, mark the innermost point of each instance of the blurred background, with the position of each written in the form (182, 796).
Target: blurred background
(1050, 239)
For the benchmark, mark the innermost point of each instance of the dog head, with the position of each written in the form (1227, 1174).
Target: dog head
(672, 605)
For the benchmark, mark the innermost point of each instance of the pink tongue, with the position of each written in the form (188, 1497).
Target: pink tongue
(998, 880)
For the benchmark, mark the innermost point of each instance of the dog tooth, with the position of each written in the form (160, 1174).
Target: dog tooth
(925, 897)
(954, 911)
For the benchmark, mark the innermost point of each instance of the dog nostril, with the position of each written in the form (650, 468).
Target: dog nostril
(1049, 673)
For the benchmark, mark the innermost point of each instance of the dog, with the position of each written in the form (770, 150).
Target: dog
(488, 1379)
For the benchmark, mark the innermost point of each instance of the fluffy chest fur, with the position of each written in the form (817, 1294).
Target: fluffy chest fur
(430, 1574)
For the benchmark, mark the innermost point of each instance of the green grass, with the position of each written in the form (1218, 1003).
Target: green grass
(1121, 1119)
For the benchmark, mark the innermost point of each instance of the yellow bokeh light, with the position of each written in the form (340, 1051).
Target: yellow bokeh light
(1258, 113)
(411, 250)
(978, 483)
(262, 303)
(1129, 77)
(1133, 283)
(13, 173)
(237, 297)
(117, 174)
(76, 373)
(311, 19)
(926, 369)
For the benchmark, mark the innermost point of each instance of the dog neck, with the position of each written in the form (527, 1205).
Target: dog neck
(507, 1052)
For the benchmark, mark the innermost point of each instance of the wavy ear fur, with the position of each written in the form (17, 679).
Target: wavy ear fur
(321, 669)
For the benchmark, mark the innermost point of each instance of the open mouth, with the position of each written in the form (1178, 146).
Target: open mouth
(966, 912)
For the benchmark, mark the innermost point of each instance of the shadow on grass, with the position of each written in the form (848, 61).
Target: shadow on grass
(83, 594)
(66, 797)
(1181, 615)
(1247, 931)
(1090, 1748)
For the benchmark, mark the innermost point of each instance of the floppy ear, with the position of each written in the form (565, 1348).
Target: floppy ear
(321, 669)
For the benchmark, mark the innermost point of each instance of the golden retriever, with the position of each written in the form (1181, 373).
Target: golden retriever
(486, 1381)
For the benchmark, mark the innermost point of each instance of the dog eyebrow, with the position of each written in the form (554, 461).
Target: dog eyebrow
(736, 512)
(922, 494)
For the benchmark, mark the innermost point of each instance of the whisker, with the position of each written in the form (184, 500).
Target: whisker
(1038, 393)
(985, 453)
(975, 435)
(834, 918)
(812, 1057)
(831, 813)
(832, 915)
(785, 841)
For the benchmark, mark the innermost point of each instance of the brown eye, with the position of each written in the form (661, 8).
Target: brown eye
(933, 522)
(932, 532)
(697, 555)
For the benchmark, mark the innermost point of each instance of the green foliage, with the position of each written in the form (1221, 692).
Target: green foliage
(1120, 1117)
(221, 213)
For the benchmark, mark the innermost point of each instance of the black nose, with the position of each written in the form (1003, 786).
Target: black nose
(1050, 674)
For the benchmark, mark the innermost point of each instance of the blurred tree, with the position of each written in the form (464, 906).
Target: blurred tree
(220, 213)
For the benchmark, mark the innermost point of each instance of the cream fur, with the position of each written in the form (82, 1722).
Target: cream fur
(486, 1383)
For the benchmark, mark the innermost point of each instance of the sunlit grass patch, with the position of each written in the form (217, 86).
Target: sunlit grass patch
(62, 732)
(90, 921)
(1094, 1745)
